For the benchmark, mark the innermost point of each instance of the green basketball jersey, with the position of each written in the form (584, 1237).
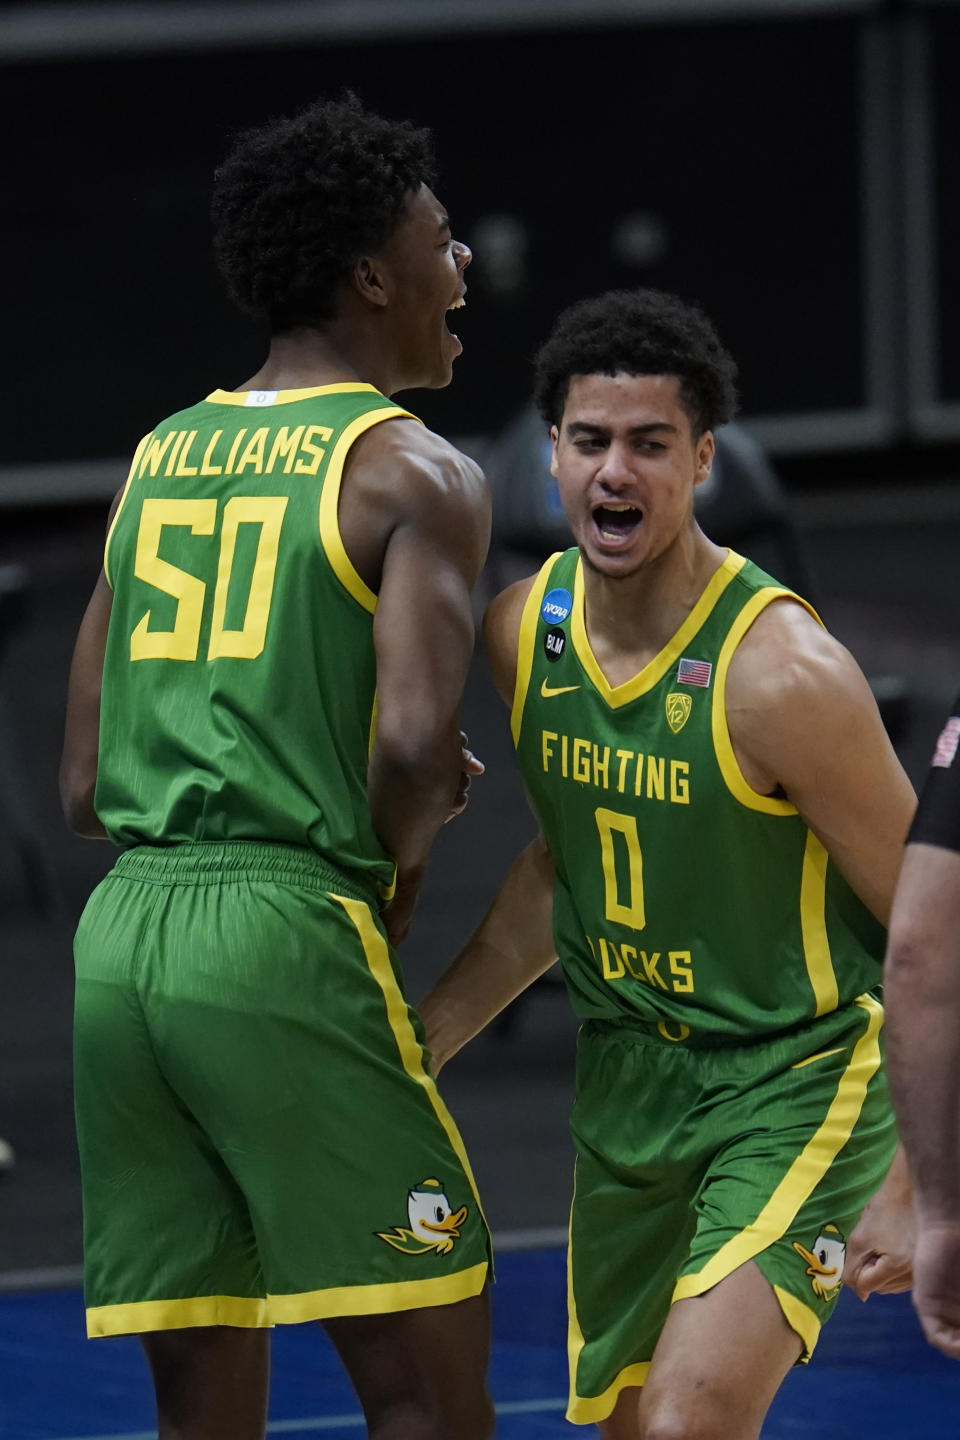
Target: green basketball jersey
(240, 677)
(683, 897)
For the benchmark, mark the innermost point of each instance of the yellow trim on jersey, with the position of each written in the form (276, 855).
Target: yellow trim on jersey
(385, 891)
(525, 644)
(653, 673)
(722, 745)
(591, 1409)
(123, 500)
(801, 1319)
(246, 1313)
(813, 926)
(330, 536)
(574, 1333)
(411, 1053)
(809, 1168)
(288, 397)
(377, 1299)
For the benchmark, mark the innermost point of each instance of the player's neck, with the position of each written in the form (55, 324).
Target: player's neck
(631, 618)
(305, 357)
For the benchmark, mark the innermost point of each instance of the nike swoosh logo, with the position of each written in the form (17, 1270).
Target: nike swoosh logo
(821, 1055)
(547, 690)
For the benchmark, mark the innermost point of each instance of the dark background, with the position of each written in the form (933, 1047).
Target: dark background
(791, 166)
(566, 132)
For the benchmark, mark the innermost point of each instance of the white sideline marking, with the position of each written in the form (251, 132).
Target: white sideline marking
(346, 1422)
(535, 1237)
(42, 1277)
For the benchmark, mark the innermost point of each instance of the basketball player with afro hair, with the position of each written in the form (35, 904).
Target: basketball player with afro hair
(264, 713)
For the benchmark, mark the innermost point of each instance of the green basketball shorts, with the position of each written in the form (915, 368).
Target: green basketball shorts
(260, 1141)
(692, 1161)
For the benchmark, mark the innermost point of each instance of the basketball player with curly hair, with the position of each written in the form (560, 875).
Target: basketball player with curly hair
(264, 713)
(721, 819)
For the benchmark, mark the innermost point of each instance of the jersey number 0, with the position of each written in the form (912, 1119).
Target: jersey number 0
(632, 913)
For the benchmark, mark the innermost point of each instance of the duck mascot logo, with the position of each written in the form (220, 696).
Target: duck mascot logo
(433, 1225)
(825, 1262)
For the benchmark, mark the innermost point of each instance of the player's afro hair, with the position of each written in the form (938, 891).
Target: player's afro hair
(299, 200)
(639, 332)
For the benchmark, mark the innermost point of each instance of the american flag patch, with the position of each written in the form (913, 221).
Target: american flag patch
(947, 745)
(694, 672)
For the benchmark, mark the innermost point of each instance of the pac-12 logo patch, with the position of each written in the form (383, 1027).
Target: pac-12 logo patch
(825, 1262)
(678, 707)
(556, 606)
(433, 1225)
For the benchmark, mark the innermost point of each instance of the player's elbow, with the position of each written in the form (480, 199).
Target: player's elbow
(912, 962)
(414, 748)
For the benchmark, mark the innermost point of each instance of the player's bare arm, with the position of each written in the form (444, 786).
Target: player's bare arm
(514, 943)
(415, 520)
(512, 946)
(501, 636)
(81, 744)
(803, 722)
(922, 995)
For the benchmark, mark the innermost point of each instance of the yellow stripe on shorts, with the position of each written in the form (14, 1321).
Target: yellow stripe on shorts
(411, 1055)
(806, 1172)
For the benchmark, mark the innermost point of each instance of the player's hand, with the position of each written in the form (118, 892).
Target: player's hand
(469, 766)
(936, 1284)
(880, 1249)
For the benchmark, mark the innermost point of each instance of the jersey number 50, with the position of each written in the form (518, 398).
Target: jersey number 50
(200, 517)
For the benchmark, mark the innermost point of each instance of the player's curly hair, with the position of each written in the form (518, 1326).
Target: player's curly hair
(639, 332)
(301, 199)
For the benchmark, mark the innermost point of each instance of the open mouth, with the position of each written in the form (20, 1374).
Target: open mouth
(616, 523)
(458, 304)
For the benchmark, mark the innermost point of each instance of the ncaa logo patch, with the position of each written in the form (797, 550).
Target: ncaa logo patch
(556, 606)
(678, 707)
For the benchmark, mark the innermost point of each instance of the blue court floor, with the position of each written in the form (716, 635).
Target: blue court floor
(873, 1375)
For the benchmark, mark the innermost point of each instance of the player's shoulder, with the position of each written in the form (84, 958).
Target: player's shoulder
(505, 610)
(154, 443)
(422, 459)
(501, 632)
(787, 658)
(403, 479)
